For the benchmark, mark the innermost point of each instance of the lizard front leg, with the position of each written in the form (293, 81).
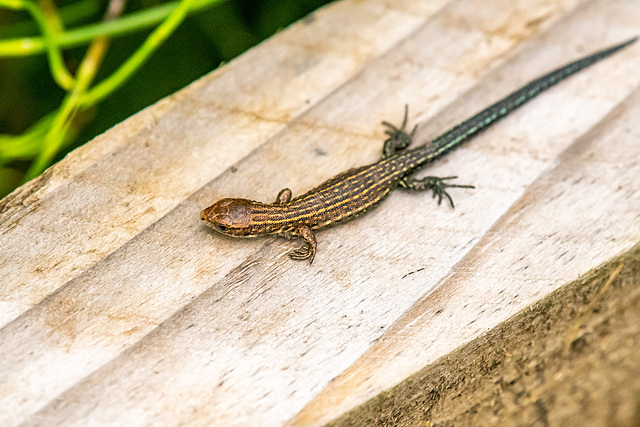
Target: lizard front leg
(308, 251)
(284, 196)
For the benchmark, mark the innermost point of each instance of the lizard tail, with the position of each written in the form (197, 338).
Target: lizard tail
(449, 140)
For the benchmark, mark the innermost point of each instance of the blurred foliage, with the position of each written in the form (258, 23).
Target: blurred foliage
(41, 120)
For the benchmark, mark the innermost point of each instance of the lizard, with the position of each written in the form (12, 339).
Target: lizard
(356, 191)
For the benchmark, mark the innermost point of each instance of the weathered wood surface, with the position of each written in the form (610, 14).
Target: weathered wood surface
(117, 305)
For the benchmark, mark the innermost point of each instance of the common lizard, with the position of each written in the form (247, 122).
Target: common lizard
(356, 191)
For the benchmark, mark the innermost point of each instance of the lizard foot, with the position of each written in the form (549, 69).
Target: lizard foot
(398, 139)
(436, 184)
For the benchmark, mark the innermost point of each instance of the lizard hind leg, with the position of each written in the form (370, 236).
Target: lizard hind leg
(436, 184)
(398, 139)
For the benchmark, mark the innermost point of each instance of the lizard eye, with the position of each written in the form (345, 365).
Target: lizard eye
(222, 228)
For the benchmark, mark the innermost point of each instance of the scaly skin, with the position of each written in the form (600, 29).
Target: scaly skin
(354, 192)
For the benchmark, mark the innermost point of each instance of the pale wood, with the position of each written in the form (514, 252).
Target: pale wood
(117, 305)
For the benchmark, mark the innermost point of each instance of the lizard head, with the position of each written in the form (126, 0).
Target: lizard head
(230, 216)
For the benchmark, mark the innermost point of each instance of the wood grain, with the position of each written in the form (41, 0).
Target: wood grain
(118, 306)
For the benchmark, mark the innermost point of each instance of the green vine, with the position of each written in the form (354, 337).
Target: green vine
(43, 140)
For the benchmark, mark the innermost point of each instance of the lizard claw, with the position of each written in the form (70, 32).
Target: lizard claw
(302, 253)
(398, 139)
(439, 187)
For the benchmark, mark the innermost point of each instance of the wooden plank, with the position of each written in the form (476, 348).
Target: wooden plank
(570, 359)
(121, 307)
(106, 193)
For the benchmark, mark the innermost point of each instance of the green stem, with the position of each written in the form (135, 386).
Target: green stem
(54, 137)
(71, 14)
(58, 70)
(76, 37)
(58, 131)
(139, 57)
(28, 144)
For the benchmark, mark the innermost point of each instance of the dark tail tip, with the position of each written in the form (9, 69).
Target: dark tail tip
(624, 44)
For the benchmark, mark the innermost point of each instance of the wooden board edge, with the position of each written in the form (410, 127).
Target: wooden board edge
(568, 359)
